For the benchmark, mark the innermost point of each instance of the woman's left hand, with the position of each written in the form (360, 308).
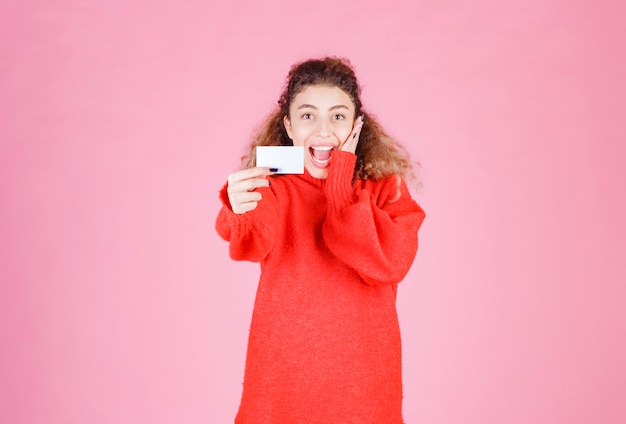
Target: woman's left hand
(353, 139)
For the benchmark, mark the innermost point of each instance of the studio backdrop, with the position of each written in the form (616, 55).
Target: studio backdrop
(120, 121)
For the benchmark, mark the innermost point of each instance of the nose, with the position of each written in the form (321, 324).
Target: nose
(323, 128)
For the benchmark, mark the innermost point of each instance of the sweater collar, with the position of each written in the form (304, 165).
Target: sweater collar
(317, 182)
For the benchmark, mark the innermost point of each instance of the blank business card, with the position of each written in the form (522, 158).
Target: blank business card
(287, 159)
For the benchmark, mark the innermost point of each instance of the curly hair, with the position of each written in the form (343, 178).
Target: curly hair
(378, 155)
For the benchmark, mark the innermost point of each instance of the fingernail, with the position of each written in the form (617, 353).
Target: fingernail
(363, 118)
(273, 169)
(354, 135)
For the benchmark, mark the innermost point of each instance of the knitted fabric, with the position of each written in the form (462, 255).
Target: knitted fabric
(324, 342)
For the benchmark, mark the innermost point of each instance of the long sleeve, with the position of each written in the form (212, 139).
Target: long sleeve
(371, 226)
(252, 234)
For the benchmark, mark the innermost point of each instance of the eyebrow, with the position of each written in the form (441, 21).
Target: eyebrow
(308, 106)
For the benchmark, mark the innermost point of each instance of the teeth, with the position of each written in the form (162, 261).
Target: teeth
(322, 152)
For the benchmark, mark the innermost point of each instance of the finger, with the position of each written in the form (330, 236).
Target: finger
(245, 196)
(244, 174)
(244, 201)
(248, 185)
(246, 207)
(353, 139)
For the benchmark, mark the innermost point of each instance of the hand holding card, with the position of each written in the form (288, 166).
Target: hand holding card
(286, 159)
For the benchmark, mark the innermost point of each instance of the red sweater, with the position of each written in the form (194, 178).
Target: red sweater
(324, 343)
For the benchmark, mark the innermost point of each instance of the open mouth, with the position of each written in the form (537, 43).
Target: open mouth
(321, 155)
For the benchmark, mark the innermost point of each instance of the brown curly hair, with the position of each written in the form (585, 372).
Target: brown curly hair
(378, 155)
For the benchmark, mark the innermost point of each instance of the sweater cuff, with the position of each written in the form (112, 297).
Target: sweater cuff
(231, 222)
(339, 180)
(224, 196)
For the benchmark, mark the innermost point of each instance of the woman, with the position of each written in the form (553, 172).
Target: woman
(333, 243)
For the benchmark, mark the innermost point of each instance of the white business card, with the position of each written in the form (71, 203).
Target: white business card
(286, 159)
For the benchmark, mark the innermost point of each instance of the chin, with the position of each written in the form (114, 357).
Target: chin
(319, 173)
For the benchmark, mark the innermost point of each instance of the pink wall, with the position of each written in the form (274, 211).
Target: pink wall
(120, 120)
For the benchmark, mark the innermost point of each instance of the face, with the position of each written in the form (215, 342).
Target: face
(320, 118)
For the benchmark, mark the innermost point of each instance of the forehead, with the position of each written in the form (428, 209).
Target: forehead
(322, 97)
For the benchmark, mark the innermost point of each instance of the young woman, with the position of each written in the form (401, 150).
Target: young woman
(333, 243)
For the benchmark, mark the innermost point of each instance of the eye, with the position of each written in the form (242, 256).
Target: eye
(307, 116)
(339, 117)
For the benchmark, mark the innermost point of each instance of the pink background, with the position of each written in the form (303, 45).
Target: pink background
(120, 120)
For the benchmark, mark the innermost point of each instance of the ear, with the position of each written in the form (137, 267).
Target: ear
(287, 124)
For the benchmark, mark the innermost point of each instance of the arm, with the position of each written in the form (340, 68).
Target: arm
(248, 218)
(373, 226)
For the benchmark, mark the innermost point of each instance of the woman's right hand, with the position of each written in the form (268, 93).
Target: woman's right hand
(242, 186)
